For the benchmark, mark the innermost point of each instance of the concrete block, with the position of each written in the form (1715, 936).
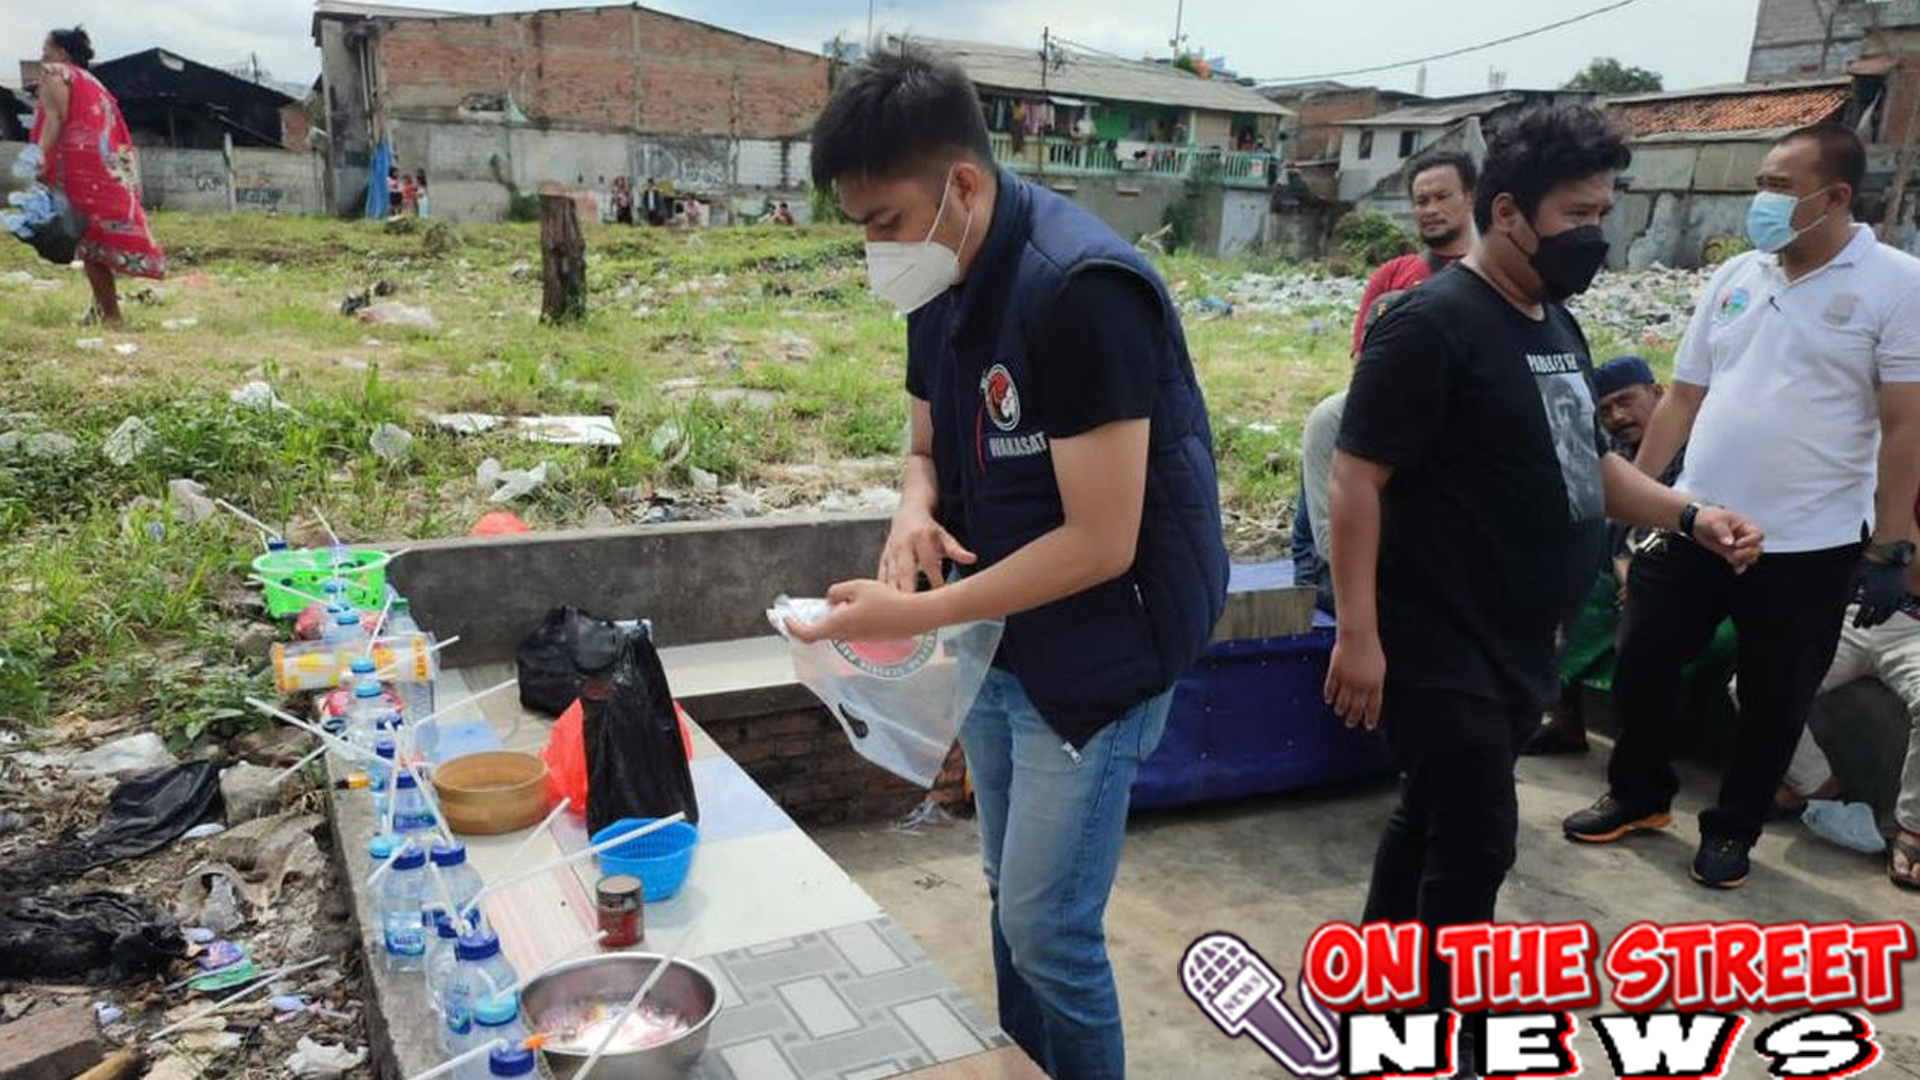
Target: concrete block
(698, 582)
(52, 1045)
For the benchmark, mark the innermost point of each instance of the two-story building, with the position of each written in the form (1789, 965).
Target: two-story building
(1125, 138)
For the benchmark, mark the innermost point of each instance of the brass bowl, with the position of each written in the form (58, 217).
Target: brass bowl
(492, 792)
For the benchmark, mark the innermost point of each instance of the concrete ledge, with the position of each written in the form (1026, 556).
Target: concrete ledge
(699, 582)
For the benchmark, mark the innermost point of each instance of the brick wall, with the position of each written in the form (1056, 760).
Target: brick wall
(1792, 39)
(802, 759)
(1320, 118)
(619, 67)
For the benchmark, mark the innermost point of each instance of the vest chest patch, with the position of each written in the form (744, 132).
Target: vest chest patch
(1001, 397)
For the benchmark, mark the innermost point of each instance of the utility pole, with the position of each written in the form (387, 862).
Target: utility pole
(1179, 16)
(869, 26)
(1046, 61)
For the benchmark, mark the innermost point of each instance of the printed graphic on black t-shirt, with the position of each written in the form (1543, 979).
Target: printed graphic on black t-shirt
(1492, 524)
(1570, 414)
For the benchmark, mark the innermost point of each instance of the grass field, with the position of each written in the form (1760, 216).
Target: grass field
(745, 360)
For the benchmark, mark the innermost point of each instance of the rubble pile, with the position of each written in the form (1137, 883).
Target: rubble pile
(1649, 307)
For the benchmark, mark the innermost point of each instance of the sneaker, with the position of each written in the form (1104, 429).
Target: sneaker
(1609, 819)
(1552, 739)
(1721, 862)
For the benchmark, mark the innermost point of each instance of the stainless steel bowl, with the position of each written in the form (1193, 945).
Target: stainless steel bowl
(610, 980)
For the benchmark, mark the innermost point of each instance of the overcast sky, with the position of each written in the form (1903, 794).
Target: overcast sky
(1690, 42)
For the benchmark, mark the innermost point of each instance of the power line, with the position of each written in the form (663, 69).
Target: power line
(1582, 17)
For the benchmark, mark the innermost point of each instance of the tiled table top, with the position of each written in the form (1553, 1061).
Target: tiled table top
(817, 983)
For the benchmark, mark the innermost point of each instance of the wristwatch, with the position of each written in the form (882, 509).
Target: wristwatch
(1687, 518)
(1898, 553)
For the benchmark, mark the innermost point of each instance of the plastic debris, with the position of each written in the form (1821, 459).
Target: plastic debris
(108, 1014)
(220, 954)
(312, 1060)
(128, 441)
(199, 935)
(286, 1003)
(190, 503)
(559, 430)
(510, 484)
(390, 442)
(92, 936)
(1850, 825)
(89, 343)
(187, 322)
(204, 830)
(44, 445)
(394, 313)
(256, 395)
(126, 348)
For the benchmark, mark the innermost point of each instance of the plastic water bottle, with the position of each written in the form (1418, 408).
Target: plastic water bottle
(514, 1061)
(367, 714)
(459, 877)
(495, 1016)
(403, 936)
(276, 544)
(345, 633)
(380, 777)
(400, 616)
(440, 958)
(412, 817)
(478, 971)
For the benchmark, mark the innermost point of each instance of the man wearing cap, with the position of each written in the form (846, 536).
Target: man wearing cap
(1628, 393)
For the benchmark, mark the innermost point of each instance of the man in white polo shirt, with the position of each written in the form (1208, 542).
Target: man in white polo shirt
(1796, 386)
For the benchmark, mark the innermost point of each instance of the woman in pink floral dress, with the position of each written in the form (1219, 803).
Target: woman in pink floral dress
(87, 154)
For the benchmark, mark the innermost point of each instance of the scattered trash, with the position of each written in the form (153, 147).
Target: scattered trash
(559, 430)
(318, 1061)
(144, 813)
(107, 1014)
(1850, 825)
(220, 954)
(670, 443)
(249, 791)
(45, 445)
(390, 442)
(213, 904)
(702, 479)
(11, 821)
(600, 518)
(126, 348)
(385, 287)
(17, 277)
(91, 937)
(186, 322)
(256, 395)
(1213, 305)
(89, 343)
(498, 523)
(510, 484)
(760, 400)
(917, 819)
(199, 935)
(121, 757)
(394, 313)
(128, 441)
(792, 346)
(204, 830)
(190, 503)
(286, 1003)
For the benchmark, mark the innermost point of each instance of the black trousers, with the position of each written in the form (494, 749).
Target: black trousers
(1786, 612)
(1449, 843)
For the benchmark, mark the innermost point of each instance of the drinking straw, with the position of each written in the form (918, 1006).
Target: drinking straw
(276, 973)
(328, 737)
(527, 840)
(453, 1063)
(632, 834)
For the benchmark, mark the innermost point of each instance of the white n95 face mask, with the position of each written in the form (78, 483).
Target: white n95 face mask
(908, 275)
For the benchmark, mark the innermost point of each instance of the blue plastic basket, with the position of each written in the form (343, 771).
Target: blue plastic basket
(659, 859)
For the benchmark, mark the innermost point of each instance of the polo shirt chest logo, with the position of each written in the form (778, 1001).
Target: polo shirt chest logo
(1840, 309)
(1733, 304)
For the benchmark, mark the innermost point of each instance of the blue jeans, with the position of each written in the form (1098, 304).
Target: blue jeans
(1051, 823)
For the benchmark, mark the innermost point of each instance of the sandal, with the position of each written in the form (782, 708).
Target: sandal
(1907, 851)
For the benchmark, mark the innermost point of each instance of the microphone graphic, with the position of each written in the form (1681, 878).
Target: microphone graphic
(1240, 992)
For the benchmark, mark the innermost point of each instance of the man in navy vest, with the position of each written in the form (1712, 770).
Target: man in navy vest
(1061, 462)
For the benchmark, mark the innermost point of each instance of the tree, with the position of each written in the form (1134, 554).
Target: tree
(1609, 76)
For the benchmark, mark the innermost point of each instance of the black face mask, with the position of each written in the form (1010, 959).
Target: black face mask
(1567, 261)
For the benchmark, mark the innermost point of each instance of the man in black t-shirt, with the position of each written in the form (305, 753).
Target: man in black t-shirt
(1468, 505)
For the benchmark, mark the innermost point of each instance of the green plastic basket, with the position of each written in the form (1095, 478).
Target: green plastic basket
(364, 572)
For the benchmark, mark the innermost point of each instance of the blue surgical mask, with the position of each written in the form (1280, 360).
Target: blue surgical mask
(1770, 220)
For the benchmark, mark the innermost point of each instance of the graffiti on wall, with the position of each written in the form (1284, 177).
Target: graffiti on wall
(703, 165)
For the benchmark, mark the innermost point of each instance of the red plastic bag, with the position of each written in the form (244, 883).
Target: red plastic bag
(566, 757)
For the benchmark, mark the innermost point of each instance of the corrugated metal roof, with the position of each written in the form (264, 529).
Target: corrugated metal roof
(1005, 67)
(1438, 113)
(1747, 107)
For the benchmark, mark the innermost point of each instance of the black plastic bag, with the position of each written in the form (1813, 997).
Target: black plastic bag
(568, 646)
(144, 814)
(58, 240)
(636, 762)
(90, 937)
